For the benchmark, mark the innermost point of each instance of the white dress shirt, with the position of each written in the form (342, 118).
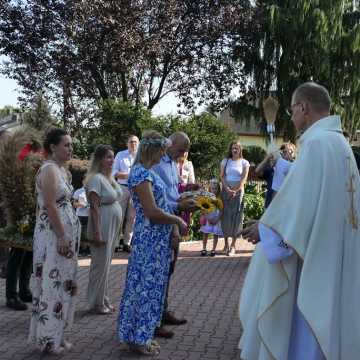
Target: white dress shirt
(122, 163)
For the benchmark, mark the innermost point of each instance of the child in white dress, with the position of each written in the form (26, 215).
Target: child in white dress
(212, 224)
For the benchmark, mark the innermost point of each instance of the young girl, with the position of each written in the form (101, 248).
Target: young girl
(212, 225)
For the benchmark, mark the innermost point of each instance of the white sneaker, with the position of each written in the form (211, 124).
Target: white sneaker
(232, 252)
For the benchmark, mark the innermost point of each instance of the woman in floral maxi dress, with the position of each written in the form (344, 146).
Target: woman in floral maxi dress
(148, 269)
(56, 244)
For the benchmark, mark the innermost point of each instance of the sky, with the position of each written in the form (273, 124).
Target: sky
(9, 94)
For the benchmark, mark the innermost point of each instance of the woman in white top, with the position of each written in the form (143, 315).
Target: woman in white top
(234, 171)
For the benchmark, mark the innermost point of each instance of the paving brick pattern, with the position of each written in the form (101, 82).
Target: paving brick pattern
(205, 290)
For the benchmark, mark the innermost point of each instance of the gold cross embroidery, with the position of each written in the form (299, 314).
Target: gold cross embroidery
(353, 218)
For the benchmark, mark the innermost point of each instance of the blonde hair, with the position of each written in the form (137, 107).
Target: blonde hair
(95, 162)
(288, 145)
(150, 144)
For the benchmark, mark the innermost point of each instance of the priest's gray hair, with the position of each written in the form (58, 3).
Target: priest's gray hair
(316, 95)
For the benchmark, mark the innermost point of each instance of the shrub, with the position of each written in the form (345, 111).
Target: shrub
(254, 202)
(116, 120)
(78, 170)
(194, 233)
(254, 154)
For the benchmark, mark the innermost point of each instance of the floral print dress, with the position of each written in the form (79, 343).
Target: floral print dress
(142, 302)
(53, 281)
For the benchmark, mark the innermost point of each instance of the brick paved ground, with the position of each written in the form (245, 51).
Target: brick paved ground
(204, 290)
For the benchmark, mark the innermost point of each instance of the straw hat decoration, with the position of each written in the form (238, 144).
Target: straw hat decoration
(271, 107)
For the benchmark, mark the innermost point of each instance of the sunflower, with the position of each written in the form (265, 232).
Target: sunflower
(24, 228)
(205, 204)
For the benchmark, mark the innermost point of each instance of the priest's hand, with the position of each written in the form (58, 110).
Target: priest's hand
(251, 232)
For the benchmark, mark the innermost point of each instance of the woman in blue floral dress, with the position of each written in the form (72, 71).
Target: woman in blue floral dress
(148, 269)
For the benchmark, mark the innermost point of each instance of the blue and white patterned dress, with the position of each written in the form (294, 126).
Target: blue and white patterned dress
(147, 276)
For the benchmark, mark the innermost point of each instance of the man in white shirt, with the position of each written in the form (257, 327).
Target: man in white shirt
(121, 170)
(81, 204)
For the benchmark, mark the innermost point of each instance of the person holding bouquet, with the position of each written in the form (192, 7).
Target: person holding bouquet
(211, 219)
(143, 301)
(187, 182)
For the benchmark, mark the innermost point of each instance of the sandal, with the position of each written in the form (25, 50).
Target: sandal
(147, 350)
(212, 253)
(59, 351)
(67, 345)
(155, 344)
(100, 310)
(203, 253)
(110, 307)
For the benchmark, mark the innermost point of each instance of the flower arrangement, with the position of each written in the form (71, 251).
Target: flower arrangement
(17, 187)
(208, 205)
(205, 204)
(206, 201)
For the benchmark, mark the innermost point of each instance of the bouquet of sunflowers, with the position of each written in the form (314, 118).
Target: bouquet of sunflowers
(206, 201)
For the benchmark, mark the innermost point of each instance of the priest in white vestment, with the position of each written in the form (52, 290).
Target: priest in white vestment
(301, 296)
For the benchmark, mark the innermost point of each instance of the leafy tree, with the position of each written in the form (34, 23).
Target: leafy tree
(209, 143)
(308, 40)
(136, 51)
(209, 139)
(254, 154)
(7, 110)
(117, 120)
(39, 115)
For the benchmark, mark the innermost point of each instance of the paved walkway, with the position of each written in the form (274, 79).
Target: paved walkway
(205, 290)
